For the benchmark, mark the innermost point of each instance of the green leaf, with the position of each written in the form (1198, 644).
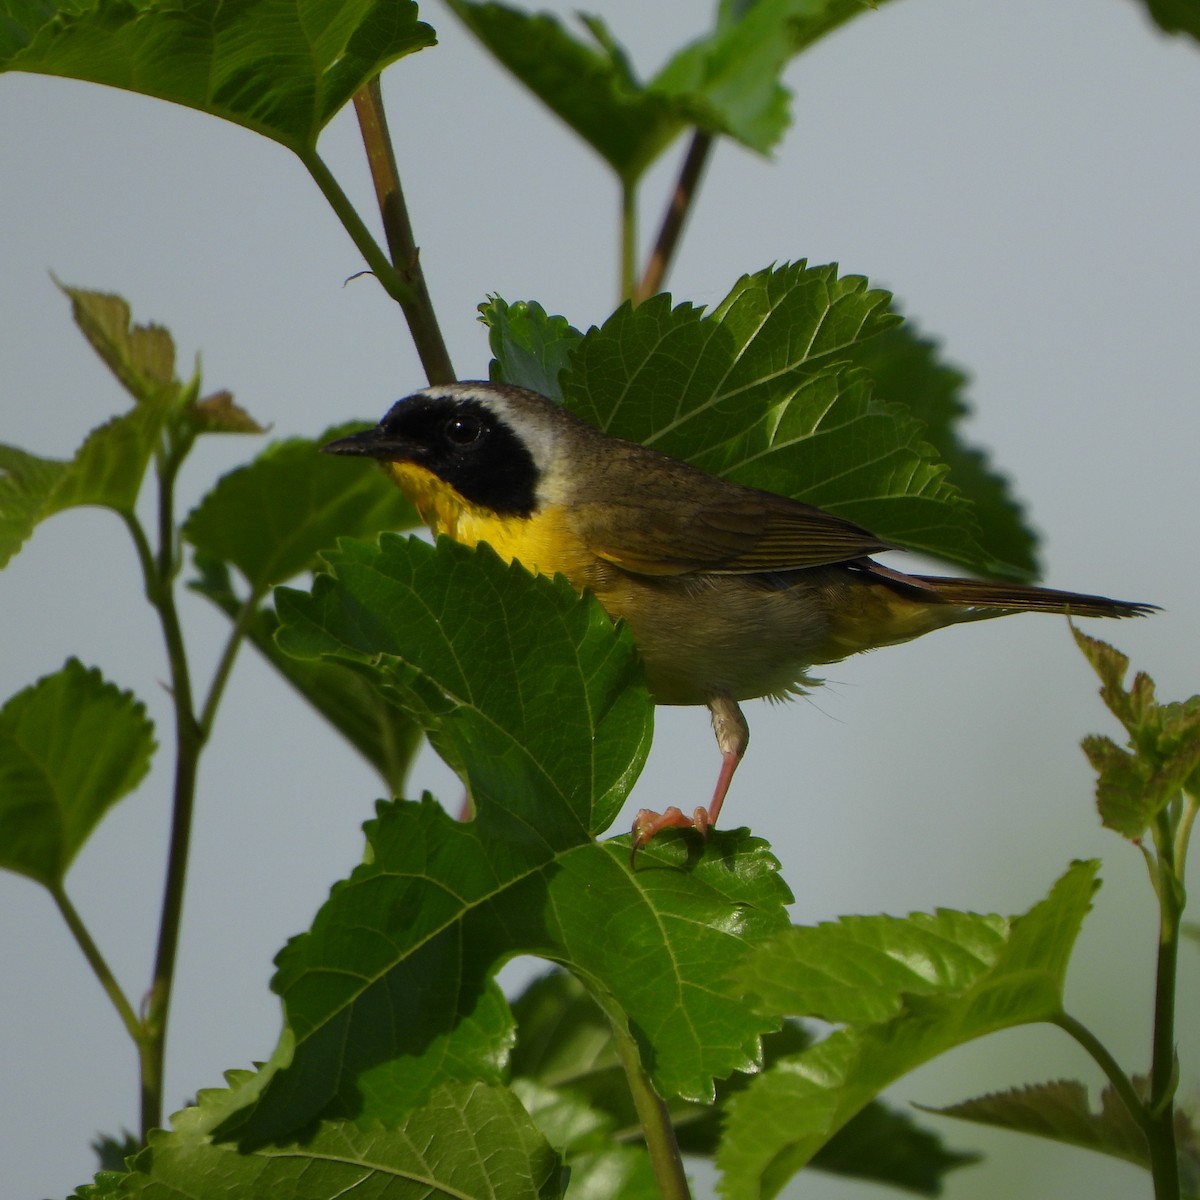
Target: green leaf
(347, 699)
(1163, 754)
(280, 67)
(529, 348)
(729, 79)
(467, 1140)
(757, 392)
(531, 694)
(944, 992)
(108, 469)
(590, 87)
(565, 1063)
(274, 516)
(71, 746)
(1062, 1112)
(1175, 16)
(906, 369)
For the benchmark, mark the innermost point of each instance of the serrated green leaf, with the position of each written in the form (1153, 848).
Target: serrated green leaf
(757, 392)
(280, 67)
(529, 348)
(513, 678)
(71, 746)
(906, 369)
(347, 699)
(533, 696)
(273, 517)
(1061, 1111)
(590, 87)
(777, 1124)
(862, 970)
(467, 1140)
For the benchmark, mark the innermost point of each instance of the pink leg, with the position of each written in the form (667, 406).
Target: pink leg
(733, 735)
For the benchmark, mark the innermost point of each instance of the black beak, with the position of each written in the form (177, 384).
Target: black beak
(370, 443)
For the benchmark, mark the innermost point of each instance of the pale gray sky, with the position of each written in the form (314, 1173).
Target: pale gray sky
(1024, 176)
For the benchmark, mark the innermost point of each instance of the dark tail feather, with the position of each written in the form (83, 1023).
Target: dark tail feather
(1016, 597)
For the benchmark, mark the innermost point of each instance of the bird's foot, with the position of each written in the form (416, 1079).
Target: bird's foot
(648, 824)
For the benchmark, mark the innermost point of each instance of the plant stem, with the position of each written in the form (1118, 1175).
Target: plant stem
(377, 261)
(678, 208)
(1099, 1052)
(1160, 1129)
(237, 634)
(96, 961)
(160, 573)
(628, 239)
(397, 228)
(656, 1120)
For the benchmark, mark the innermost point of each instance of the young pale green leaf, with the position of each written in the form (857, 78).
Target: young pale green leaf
(346, 698)
(280, 67)
(862, 970)
(730, 78)
(273, 517)
(466, 1140)
(529, 348)
(142, 357)
(1163, 754)
(757, 392)
(590, 87)
(531, 694)
(778, 1123)
(71, 746)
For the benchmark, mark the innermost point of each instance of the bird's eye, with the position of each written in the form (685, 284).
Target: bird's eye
(464, 430)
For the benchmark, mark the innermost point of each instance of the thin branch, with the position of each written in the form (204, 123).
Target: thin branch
(160, 573)
(676, 215)
(397, 228)
(628, 239)
(96, 961)
(1109, 1065)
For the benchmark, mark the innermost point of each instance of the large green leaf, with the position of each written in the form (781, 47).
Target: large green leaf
(280, 67)
(531, 694)
(947, 979)
(273, 517)
(758, 392)
(532, 349)
(71, 746)
(906, 369)
(466, 1140)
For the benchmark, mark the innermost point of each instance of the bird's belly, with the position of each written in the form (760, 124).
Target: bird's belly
(707, 635)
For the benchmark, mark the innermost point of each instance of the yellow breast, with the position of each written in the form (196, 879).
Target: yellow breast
(542, 543)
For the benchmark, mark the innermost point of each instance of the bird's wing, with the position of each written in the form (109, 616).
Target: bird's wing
(734, 531)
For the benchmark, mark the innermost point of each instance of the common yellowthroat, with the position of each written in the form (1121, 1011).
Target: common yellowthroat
(731, 593)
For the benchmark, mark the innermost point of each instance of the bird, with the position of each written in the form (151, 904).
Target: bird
(731, 593)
